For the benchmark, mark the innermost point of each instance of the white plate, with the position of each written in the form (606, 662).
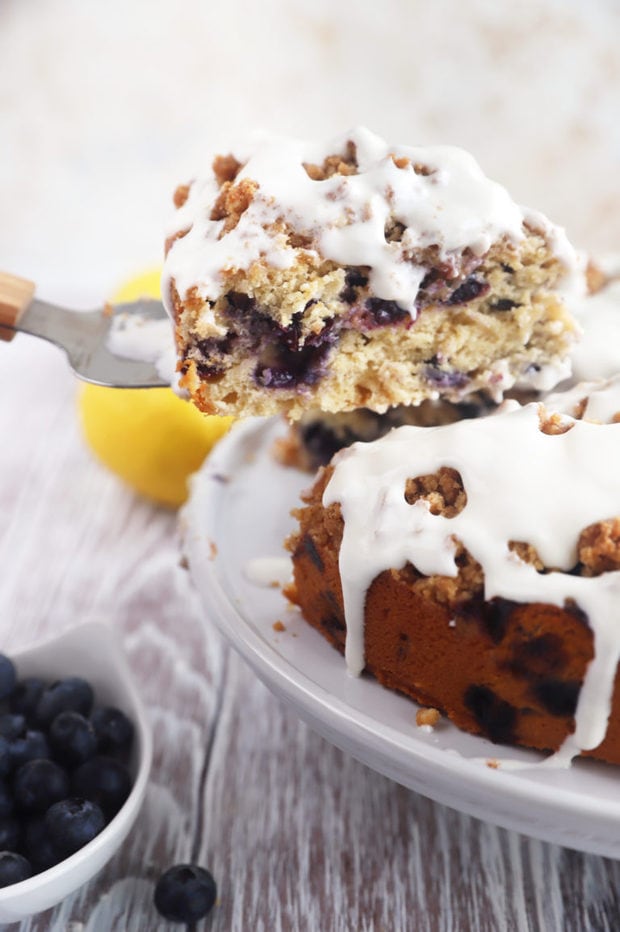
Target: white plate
(240, 510)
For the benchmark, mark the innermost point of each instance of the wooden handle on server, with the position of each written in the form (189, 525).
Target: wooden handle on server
(15, 297)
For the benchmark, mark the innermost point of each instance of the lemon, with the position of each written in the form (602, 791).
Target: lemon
(149, 437)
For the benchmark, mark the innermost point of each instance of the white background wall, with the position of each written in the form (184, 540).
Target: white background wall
(104, 107)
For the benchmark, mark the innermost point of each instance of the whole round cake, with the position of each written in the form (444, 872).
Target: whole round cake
(476, 567)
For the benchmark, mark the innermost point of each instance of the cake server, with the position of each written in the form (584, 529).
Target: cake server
(83, 335)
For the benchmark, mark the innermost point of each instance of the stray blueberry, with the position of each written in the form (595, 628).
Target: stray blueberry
(185, 893)
(26, 696)
(12, 726)
(113, 729)
(13, 868)
(10, 834)
(33, 746)
(72, 694)
(72, 823)
(104, 781)
(8, 677)
(39, 784)
(72, 738)
(6, 799)
(38, 846)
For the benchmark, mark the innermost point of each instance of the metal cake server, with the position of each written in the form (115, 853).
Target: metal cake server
(82, 335)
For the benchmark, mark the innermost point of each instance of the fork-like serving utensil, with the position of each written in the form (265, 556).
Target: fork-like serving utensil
(83, 335)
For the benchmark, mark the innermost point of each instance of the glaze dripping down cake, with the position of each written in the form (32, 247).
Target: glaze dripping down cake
(476, 568)
(355, 274)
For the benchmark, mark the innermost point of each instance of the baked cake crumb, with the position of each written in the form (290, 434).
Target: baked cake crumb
(427, 717)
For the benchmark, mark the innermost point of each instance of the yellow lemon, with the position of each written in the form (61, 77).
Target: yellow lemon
(149, 436)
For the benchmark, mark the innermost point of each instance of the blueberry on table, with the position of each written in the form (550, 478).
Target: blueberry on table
(104, 781)
(72, 694)
(13, 868)
(185, 893)
(12, 725)
(113, 729)
(10, 833)
(33, 746)
(26, 695)
(8, 677)
(72, 823)
(72, 738)
(38, 784)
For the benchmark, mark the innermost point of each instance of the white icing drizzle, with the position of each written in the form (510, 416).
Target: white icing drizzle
(133, 336)
(269, 571)
(602, 405)
(597, 355)
(454, 207)
(521, 485)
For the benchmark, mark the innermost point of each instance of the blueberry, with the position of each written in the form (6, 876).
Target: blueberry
(72, 823)
(33, 746)
(104, 781)
(380, 313)
(5, 757)
(113, 729)
(72, 694)
(185, 893)
(38, 846)
(72, 738)
(12, 726)
(6, 799)
(38, 784)
(13, 868)
(8, 677)
(470, 289)
(26, 696)
(10, 833)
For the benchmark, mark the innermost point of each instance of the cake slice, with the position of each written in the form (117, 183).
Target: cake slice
(356, 274)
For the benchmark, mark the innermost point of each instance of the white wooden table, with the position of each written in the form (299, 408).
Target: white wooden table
(298, 835)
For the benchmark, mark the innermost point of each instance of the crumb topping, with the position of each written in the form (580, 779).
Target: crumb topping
(427, 717)
(226, 168)
(233, 201)
(355, 201)
(336, 164)
(443, 491)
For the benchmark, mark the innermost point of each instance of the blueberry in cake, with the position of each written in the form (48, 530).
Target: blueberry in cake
(355, 274)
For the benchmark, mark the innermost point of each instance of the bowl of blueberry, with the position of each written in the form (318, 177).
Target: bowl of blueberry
(75, 757)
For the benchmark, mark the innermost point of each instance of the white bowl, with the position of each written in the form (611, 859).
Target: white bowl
(93, 652)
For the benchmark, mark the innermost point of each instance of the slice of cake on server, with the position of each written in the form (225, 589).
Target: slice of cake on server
(355, 274)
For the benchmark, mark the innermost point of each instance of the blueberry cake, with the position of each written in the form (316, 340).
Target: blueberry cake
(475, 567)
(355, 274)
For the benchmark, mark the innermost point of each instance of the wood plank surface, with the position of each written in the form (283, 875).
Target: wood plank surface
(298, 835)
